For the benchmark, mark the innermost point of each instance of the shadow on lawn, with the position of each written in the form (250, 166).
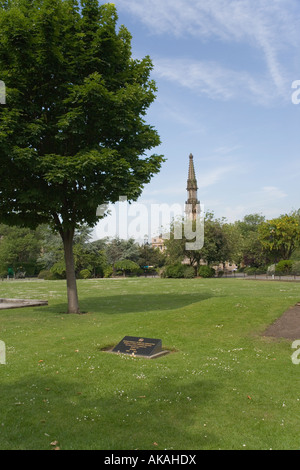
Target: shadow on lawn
(37, 411)
(131, 303)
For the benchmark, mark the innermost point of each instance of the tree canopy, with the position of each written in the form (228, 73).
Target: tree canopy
(280, 236)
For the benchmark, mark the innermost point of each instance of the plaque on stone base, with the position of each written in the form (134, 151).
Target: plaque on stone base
(140, 347)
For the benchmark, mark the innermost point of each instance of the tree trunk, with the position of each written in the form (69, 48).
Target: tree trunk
(67, 237)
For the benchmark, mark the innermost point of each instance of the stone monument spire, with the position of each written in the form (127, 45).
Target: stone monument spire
(192, 203)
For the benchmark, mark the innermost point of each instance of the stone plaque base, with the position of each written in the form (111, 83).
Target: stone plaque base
(18, 303)
(149, 348)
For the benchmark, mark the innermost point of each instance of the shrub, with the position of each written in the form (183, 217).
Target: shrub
(107, 271)
(85, 274)
(48, 275)
(206, 271)
(284, 267)
(59, 270)
(126, 266)
(178, 271)
(296, 268)
(188, 272)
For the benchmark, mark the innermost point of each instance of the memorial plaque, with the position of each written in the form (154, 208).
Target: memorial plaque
(139, 346)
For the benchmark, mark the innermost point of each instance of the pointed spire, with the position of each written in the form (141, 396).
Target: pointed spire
(191, 182)
(191, 168)
(192, 203)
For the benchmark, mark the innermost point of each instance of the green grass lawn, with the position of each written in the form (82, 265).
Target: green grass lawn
(224, 386)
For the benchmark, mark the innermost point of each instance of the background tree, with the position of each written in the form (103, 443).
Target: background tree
(72, 134)
(126, 266)
(117, 249)
(88, 256)
(280, 236)
(214, 250)
(149, 256)
(216, 247)
(246, 245)
(175, 247)
(234, 242)
(20, 249)
(51, 248)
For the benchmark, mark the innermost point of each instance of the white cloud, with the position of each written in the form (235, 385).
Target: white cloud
(215, 81)
(270, 26)
(272, 192)
(212, 177)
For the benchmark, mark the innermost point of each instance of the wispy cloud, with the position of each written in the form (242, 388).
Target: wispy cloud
(268, 26)
(213, 80)
(272, 192)
(213, 176)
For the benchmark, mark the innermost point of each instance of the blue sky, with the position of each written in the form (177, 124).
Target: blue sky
(224, 71)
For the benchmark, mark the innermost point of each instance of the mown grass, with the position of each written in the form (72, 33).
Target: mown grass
(224, 386)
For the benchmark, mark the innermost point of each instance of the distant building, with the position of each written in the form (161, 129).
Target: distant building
(158, 242)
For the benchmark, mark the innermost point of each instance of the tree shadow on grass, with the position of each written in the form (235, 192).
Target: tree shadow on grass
(131, 303)
(46, 412)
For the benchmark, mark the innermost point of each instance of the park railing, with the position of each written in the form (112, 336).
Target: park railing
(279, 276)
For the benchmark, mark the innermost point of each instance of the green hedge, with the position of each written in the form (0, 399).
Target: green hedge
(179, 271)
(284, 267)
(206, 271)
(85, 274)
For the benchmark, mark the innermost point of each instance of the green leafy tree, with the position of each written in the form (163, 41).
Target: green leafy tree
(215, 248)
(149, 256)
(245, 245)
(284, 267)
(175, 247)
(72, 134)
(117, 249)
(87, 255)
(19, 250)
(280, 236)
(250, 223)
(126, 266)
(51, 248)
